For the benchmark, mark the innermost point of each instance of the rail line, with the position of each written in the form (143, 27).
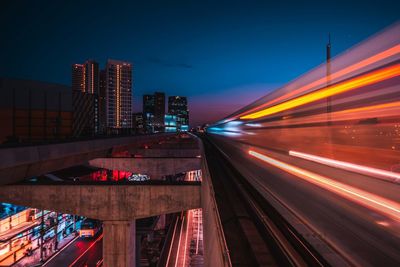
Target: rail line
(255, 231)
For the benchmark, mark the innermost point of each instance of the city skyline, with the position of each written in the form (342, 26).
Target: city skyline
(200, 133)
(242, 57)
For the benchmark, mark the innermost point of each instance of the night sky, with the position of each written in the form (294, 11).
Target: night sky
(221, 54)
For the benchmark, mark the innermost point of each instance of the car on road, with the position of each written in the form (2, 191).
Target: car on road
(90, 228)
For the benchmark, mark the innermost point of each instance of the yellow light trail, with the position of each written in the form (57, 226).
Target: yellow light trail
(364, 80)
(363, 63)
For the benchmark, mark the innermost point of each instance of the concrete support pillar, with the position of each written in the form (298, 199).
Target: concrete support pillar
(119, 243)
(138, 247)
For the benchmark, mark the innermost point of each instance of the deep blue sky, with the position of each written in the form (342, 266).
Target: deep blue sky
(221, 54)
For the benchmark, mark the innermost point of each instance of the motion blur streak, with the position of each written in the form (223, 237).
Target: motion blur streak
(91, 245)
(380, 56)
(341, 124)
(359, 82)
(348, 166)
(379, 204)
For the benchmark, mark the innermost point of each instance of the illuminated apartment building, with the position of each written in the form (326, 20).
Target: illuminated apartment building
(119, 95)
(85, 77)
(178, 106)
(159, 111)
(85, 94)
(154, 112)
(102, 102)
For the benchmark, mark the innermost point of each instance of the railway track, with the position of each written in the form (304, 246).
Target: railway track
(256, 234)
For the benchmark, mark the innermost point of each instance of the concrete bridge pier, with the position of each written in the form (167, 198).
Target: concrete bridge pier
(119, 243)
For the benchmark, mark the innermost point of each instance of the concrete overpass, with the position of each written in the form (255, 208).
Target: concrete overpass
(18, 163)
(118, 205)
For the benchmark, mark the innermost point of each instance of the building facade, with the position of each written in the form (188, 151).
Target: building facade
(85, 98)
(154, 112)
(170, 123)
(159, 111)
(138, 123)
(178, 106)
(119, 95)
(102, 102)
(33, 111)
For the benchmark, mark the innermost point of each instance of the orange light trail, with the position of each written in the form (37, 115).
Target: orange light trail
(376, 111)
(380, 56)
(379, 204)
(371, 108)
(364, 80)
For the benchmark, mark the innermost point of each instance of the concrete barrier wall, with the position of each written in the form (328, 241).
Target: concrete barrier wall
(167, 153)
(154, 167)
(216, 253)
(19, 163)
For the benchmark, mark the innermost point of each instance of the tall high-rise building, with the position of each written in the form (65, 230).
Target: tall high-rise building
(92, 77)
(85, 77)
(154, 111)
(78, 77)
(119, 95)
(85, 88)
(148, 104)
(159, 111)
(148, 113)
(138, 122)
(177, 105)
(102, 102)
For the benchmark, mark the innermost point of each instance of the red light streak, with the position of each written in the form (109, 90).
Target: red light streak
(186, 238)
(91, 245)
(179, 243)
(198, 232)
(387, 175)
(379, 204)
(170, 248)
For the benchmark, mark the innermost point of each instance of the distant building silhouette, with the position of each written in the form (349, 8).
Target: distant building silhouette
(148, 113)
(138, 123)
(154, 112)
(32, 111)
(178, 106)
(159, 111)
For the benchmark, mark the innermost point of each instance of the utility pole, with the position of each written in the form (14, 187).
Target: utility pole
(56, 230)
(41, 237)
(329, 99)
(328, 79)
(14, 117)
